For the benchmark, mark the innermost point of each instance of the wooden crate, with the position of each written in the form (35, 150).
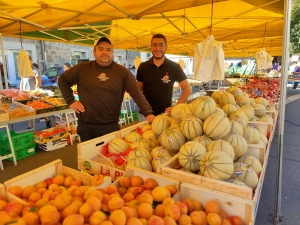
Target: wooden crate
(144, 174)
(168, 169)
(2, 192)
(232, 205)
(4, 116)
(89, 159)
(50, 170)
(266, 126)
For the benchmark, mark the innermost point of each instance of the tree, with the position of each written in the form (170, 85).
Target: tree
(295, 28)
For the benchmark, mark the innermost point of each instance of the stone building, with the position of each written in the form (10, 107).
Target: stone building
(49, 54)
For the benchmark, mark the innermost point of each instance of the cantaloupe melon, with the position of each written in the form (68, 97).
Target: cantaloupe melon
(241, 115)
(172, 139)
(191, 127)
(266, 119)
(132, 137)
(159, 124)
(261, 100)
(235, 91)
(242, 100)
(176, 110)
(140, 162)
(236, 127)
(204, 140)
(146, 127)
(186, 111)
(117, 145)
(248, 110)
(203, 107)
(251, 135)
(155, 152)
(238, 143)
(141, 152)
(220, 111)
(229, 108)
(217, 165)
(216, 96)
(190, 154)
(259, 110)
(221, 145)
(251, 161)
(246, 175)
(142, 144)
(160, 159)
(149, 134)
(226, 98)
(216, 126)
(153, 142)
(261, 130)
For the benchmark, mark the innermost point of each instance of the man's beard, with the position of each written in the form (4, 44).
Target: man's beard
(158, 57)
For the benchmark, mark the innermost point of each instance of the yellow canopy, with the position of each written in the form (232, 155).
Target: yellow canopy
(244, 26)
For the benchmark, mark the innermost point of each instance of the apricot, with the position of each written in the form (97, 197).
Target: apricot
(169, 220)
(197, 218)
(226, 222)
(28, 190)
(145, 198)
(52, 187)
(97, 217)
(212, 207)
(196, 206)
(134, 190)
(114, 195)
(47, 208)
(183, 208)
(49, 181)
(184, 220)
(172, 189)
(42, 190)
(223, 214)
(31, 218)
(111, 189)
(136, 181)
(97, 193)
(53, 195)
(235, 220)
(147, 192)
(115, 203)
(173, 211)
(134, 221)
(156, 220)
(97, 179)
(124, 182)
(2, 205)
(69, 210)
(14, 207)
(4, 217)
(58, 179)
(128, 197)
(86, 210)
(79, 192)
(150, 184)
(213, 219)
(76, 202)
(94, 202)
(189, 204)
(41, 184)
(133, 204)
(76, 182)
(42, 202)
(74, 219)
(106, 223)
(168, 201)
(145, 210)
(34, 197)
(129, 213)
(62, 201)
(62, 189)
(159, 194)
(68, 181)
(16, 190)
(49, 215)
(118, 217)
(160, 210)
(121, 190)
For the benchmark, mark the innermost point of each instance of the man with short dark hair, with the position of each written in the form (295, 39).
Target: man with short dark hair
(101, 85)
(156, 78)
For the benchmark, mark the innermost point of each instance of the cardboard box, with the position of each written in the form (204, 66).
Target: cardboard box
(53, 145)
(41, 138)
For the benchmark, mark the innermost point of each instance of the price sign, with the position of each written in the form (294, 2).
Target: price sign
(5, 99)
(257, 93)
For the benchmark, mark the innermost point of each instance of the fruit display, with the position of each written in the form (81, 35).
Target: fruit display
(54, 101)
(39, 104)
(15, 94)
(51, 134)
(16, 110)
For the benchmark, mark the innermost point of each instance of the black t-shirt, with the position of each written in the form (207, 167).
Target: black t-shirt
(158, 83)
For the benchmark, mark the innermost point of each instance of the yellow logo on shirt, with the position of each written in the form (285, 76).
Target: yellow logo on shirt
(165, 79)
(103, 77)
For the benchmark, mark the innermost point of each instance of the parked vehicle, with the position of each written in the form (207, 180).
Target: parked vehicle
(49, 78)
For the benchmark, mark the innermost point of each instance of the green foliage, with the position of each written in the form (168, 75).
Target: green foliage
(295, 28)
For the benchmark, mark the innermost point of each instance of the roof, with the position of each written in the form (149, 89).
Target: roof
(243, 26)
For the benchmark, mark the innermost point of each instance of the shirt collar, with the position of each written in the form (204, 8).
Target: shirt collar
(164, 63)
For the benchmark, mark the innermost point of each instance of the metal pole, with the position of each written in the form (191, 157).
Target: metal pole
(284, 72)
(4, 63)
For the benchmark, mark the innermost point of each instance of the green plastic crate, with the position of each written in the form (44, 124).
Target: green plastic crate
(20, 153)
(20, 140)
(135, 116)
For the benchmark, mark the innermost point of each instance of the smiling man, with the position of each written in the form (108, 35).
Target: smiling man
(101, 85)
(156, 78)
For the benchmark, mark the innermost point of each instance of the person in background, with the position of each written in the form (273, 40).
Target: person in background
(65, 68)
(33, 83)
(297, 70)
(156, 78)
(101, 85)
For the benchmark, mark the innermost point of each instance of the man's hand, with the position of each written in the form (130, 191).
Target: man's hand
(150, 118)
(77, 106)
(168, 110)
